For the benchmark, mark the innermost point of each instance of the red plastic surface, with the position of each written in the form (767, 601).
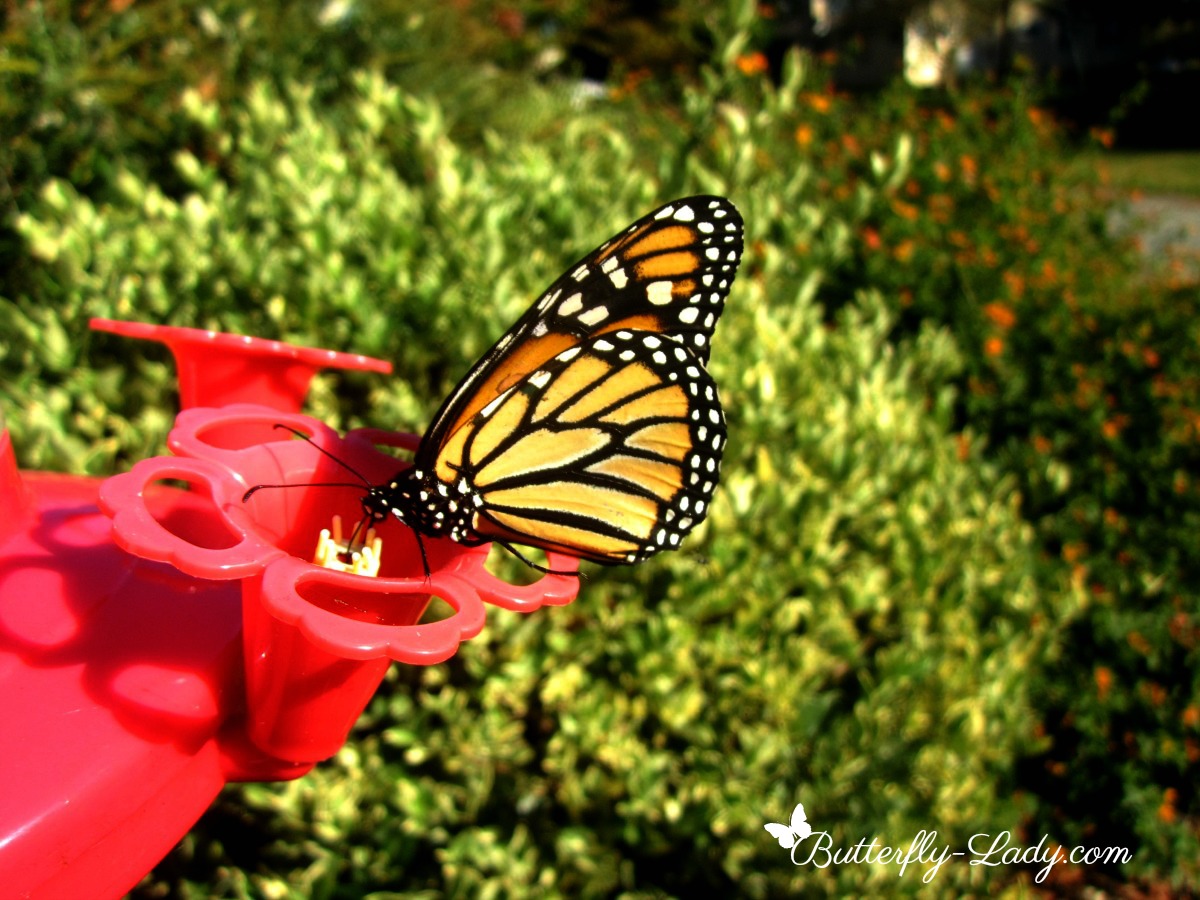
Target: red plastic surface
(317, 642)
(215, 368)
(115, 679)
(147, 660)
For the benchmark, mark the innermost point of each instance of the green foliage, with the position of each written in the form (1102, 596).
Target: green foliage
(960, 441)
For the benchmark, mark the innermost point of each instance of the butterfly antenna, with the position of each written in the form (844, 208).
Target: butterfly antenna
(259, 487)
(345, 465)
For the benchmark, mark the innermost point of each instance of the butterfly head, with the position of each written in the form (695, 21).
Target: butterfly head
(393, 498)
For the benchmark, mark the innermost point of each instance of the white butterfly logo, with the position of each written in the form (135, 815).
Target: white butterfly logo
(789, 837)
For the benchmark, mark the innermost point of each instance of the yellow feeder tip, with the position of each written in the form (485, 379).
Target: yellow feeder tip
(334, 553)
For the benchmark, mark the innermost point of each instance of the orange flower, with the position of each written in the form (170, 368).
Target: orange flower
(903, 251)
(751, 63)
(871, 238)
(1166, 811)
(1155, 693)
(1000, 315)
(1042, 120)
(820, 102)
(941, 170)
(940, 207)
(1182, 630)
(1073, 550)
(630, 83)
(1105, 137)
(208, 87)
(993, 346)
(969, 167)
(766, 11)
(1150, 357)
(510, 21)
(1139, 643)
(1191, 716)
(905, 210)
(1113, 427)
(804, 135)
(1015, 284)
(1042, 444)
(1104, 681)
(964, 447)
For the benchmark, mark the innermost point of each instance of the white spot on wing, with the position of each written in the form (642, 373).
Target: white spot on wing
(571, 305)
(619, 278)
(685, 214)
(659, 292)
(594, 316)
(608, 265)
(490, 408)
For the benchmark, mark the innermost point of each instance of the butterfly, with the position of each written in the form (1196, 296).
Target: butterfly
(592, 427)
(790, 836)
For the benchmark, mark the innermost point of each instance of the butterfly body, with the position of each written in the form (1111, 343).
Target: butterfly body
(592, 427)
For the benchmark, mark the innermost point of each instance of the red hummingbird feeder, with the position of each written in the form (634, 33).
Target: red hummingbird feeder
(159, 642)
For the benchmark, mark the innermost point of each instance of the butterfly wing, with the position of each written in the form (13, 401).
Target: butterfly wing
(781, 833)
(800, 825)
(668, 273)
(609, 451)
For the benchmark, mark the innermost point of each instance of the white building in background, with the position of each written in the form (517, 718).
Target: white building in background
(945, 38)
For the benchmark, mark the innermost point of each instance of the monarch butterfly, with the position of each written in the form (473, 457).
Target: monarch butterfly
(592, 427)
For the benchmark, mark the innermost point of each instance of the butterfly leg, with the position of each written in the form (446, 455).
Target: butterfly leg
(529, 562)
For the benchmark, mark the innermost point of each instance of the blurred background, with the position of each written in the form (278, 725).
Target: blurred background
(950, 579)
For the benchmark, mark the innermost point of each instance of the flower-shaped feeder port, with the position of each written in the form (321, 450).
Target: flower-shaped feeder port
(317, 642)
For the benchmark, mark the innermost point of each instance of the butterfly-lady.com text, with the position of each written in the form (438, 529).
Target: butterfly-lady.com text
(982, 850)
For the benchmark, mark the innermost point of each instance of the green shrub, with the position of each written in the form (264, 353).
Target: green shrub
(932, 346)
(852, 628)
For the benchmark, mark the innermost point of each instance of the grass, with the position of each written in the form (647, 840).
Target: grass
(1175, 172)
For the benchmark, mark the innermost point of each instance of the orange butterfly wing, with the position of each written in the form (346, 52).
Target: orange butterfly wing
(668, 273)
(592, 427)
